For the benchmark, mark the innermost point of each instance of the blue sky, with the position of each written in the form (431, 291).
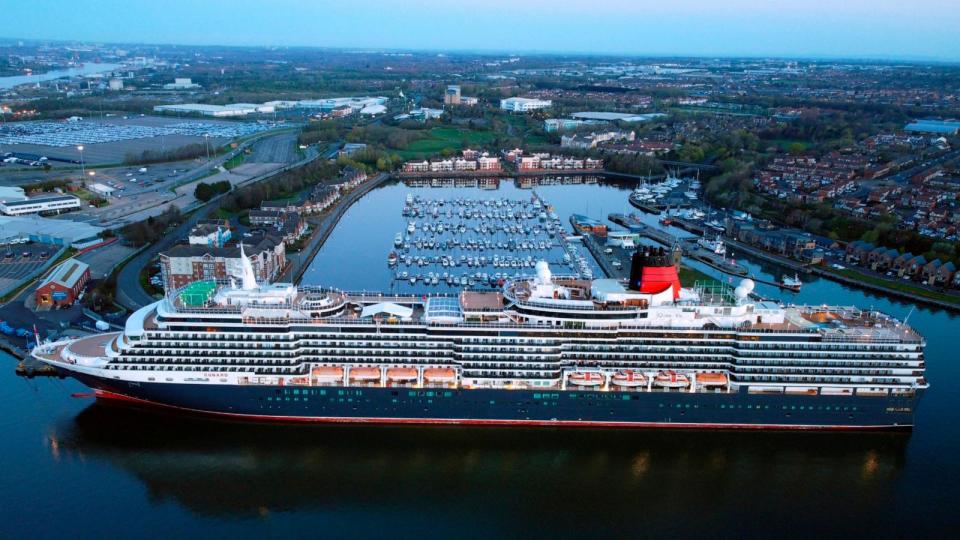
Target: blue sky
(817, 28)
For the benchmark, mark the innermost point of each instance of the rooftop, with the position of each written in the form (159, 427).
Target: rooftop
(67, 274)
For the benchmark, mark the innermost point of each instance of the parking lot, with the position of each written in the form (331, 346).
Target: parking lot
(18, 260)
(110, 140)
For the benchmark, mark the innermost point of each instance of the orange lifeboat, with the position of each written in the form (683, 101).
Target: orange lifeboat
(402, 374)
(440, 375)
(711, 379)
(365, 373)
(629, 378)
(327, 373)
(586, 378)
(671, 379)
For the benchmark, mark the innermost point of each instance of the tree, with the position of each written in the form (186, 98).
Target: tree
(795, 149)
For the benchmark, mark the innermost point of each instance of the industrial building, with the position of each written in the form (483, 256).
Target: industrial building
(616, 117)
(363, 105)
(53, 204)
(102, 189)
(218, 111)
(939, 127)
(57, 232)
(11, 194)
(423, 114)
(562, 124)
(520, 104)
(63, 285)
(181, 83)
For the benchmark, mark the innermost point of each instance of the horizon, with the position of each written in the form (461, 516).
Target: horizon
(859, 30)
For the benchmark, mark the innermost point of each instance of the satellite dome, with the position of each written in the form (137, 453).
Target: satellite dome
(744, 289)
(543, 272)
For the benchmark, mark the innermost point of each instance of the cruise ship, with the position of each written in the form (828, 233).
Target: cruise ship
(544, 350)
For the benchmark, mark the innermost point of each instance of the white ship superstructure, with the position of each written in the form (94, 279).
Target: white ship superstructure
(542, 332)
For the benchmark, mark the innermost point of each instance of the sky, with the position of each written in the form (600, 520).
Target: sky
(875, 29)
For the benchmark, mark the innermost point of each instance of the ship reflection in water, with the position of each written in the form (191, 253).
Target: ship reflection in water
(656, 482)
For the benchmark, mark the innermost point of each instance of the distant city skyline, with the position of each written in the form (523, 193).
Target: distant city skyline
(879, 29)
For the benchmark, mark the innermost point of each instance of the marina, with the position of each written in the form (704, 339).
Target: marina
(480, 243)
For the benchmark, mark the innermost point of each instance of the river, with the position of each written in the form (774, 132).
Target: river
(86, 69)
(73, 468)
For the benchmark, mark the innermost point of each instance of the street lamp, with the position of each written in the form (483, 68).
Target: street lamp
(83, 172)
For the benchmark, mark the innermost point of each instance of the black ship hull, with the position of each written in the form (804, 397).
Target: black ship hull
(549, 407)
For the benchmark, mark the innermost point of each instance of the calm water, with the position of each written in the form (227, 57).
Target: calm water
(75, 469)
(86, 69)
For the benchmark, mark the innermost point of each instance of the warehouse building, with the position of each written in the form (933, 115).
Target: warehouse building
(11, 194)
(520, 104)
(217, 111)
(616, 117)
(57, 232)
(64, 285)
(53, 204)
(939, 127)
(102, 189)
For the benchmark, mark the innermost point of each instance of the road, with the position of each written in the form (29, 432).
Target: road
(279, 149)
(130, 293)
(903, 177)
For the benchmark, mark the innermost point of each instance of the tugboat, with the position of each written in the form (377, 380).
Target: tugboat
(392, 258)
(791, 283)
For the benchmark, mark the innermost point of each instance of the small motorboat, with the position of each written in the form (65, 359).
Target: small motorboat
(791, 283)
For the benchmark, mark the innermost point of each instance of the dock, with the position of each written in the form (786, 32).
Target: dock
(27, 366)
(634, 225)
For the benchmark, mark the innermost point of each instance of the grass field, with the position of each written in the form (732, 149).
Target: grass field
(235, 161)
(688, 276)
(446, 137)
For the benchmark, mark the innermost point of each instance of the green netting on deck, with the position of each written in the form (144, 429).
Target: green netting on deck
(197, 293)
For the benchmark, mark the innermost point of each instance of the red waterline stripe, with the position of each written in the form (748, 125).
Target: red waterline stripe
(104, 394)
